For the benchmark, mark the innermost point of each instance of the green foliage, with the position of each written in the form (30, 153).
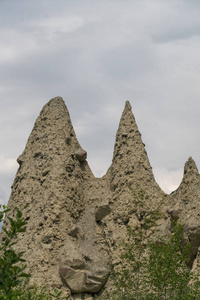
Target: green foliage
(22, 293)
(13, 278)
(153, 269)
(168, 274)
(12, 265)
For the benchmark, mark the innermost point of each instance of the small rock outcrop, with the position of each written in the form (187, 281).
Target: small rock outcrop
(76, 222)
(79, 279)
(81, 155)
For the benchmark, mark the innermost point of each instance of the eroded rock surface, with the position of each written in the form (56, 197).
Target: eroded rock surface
(76, 222)
(185, 205)
(80, 278)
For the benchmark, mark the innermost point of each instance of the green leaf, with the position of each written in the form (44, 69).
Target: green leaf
(19, 213)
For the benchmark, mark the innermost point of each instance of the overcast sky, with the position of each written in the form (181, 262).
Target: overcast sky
(97, 55)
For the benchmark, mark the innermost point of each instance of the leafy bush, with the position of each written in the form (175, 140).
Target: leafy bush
(11, 264)
(153, 269)
(13, 278)
(168, 274)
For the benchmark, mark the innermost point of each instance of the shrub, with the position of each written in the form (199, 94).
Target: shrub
(12, 265)
(168, 274)
(13, 278)
(153, 270)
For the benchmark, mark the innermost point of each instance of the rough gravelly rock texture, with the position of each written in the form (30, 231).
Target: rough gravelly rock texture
(185, 203)
(76, 222)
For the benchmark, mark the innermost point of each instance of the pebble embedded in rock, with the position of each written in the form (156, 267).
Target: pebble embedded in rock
(81, 155)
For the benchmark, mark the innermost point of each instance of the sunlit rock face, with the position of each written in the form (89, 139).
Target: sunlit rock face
(76, 222)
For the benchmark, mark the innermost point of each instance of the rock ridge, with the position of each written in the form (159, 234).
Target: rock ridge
(76, 222)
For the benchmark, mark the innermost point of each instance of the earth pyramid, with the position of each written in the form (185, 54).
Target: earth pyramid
(76, 222)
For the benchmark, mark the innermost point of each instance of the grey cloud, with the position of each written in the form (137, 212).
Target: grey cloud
(177, 34)
(115, 53)
(126, 62)
(179, 21)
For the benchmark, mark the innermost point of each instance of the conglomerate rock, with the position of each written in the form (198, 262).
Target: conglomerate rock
(185, 201)
(76, 222)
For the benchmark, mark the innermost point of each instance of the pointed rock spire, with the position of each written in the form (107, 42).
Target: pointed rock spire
(127, 107)
(130, 166)
(128, 138)
(190, 169)
(191, 176)
(51, 181)
(185, 203)
(52, 126)
(187, 195)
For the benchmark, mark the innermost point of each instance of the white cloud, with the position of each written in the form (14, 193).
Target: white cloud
(60, 24)
(7, 165)
(15, 46)
(169, 180)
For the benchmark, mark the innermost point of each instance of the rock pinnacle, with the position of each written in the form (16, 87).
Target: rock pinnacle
(130, 166)
(75, 222)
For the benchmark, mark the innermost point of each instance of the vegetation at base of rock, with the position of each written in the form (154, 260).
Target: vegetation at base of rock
(13, 278)
(22, 293)
(12, 265)
(151, 267)
(168, 276)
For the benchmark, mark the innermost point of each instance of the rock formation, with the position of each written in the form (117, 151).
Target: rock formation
(76, 222)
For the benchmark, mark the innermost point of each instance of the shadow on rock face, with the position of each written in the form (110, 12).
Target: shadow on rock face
(193, 234)
(85, 266)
